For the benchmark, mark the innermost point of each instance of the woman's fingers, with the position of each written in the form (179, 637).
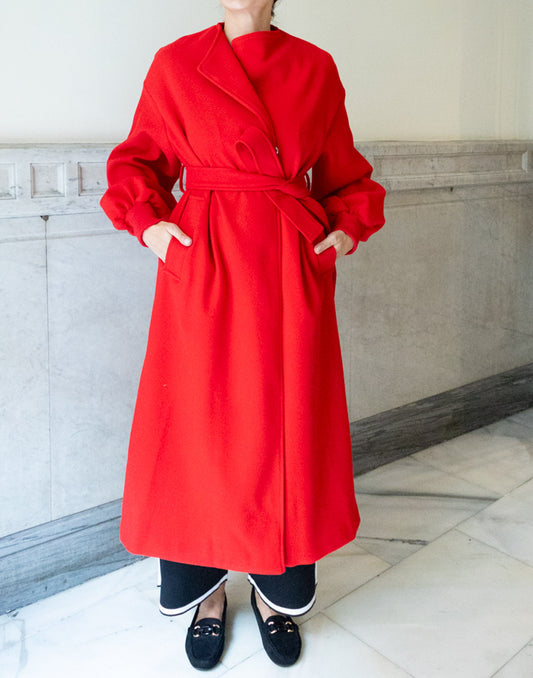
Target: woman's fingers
(176, 231)
(158, 236)
(329, 241)
(338, 239)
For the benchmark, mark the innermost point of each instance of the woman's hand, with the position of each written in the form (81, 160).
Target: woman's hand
(338, 239)
(158, 237)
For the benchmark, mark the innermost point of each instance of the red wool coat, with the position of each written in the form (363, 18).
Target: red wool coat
(240, 453)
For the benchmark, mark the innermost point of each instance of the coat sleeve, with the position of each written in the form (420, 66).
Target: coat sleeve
(141, 172)
(354, 203)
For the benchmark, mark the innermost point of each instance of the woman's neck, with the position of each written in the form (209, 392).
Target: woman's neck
(240, 23)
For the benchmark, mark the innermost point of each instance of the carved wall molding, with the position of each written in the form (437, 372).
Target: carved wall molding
(46, 179)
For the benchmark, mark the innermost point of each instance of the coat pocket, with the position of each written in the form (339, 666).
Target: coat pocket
(178, 255)
(327, 260)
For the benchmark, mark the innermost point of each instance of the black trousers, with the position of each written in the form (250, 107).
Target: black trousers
(184, 586)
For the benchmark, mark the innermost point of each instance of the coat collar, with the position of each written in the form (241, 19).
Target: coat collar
(221, 66)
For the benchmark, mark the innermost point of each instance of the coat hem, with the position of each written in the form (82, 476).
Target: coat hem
(239, 566)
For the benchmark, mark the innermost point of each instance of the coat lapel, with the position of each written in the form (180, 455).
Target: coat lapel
(221, 66)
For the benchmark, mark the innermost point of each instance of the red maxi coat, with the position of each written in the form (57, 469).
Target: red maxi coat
(240, 453)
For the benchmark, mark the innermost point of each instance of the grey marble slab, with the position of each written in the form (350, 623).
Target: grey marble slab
(457, 607)
(506, 524)
(525, 418)
(24, 395)
(498, 457)
(329, 650)
(519, 666)
(59, 554)
(100, 290)
(22, 228)
(406, 504)
(440, 297)
(396, 433)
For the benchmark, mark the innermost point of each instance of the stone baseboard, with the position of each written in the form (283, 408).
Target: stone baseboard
(396, 433)
(49, 558)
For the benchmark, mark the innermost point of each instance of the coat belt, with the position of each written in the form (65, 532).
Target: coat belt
(291, 196)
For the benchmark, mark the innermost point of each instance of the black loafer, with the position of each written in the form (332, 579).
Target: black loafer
(280, 636)
(205, 640)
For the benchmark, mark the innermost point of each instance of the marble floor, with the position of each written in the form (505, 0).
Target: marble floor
(438, 582)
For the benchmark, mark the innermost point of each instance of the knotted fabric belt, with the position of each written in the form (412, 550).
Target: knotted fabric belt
(291, 196)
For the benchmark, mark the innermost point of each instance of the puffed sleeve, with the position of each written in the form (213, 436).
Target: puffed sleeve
(354, 203)
(141, 172)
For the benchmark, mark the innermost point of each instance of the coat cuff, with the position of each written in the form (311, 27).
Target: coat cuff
(140, 217)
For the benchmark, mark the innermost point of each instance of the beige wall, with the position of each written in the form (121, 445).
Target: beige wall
(413, 69)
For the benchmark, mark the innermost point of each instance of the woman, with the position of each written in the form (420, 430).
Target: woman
(240, 453)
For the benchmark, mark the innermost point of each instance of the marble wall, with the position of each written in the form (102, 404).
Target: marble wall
(76, 296)
(440, 297)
